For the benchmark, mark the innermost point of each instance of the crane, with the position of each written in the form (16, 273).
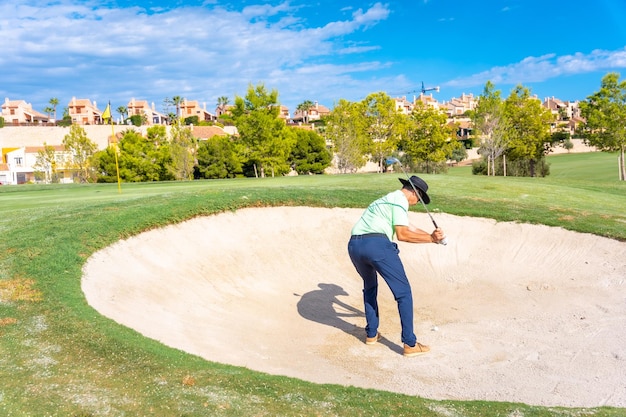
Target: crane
(424, 90)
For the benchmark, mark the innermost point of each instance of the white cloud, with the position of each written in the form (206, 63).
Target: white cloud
(546, 67)
(86, 50)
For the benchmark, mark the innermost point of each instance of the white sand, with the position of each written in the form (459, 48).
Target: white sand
(512, 312)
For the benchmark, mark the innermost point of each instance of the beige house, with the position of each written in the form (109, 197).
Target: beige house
(403, 105)
(19, 113)
(83, 112)
(314, 113)
(459, 105)
(19, 166)
(192, 108)
(142, 108)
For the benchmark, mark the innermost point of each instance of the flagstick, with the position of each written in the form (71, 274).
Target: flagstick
(107, 114)
(117, 166)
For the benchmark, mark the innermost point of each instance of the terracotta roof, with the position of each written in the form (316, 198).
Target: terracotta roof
(207, 132)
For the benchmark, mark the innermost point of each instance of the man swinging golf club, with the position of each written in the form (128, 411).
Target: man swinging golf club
(373, 252)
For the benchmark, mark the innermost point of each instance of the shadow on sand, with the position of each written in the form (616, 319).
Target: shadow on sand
(323, 306)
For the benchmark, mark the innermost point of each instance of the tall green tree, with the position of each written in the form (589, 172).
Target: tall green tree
(267, 140)
(384, 124)
(54, 102)
(183, 152)
(490, 125)
(48, 110)
(310, 154)
(429, 141)
(81, 149)
(605, 118)
(345, 128)
(528, 130)
(218, 158)
(46, 164)
(175, 101)
(222, 102)
(122, 111)
(139, 159)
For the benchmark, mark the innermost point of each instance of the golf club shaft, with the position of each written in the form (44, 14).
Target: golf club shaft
(443, 241)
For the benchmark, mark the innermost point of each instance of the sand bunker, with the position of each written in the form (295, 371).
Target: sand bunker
(512, 312)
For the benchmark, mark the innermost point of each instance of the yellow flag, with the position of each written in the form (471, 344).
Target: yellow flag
(106, 115)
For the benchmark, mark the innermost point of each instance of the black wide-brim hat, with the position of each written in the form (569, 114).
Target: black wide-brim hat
(420, 185)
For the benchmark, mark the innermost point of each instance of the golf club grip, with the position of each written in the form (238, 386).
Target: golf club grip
(443, 241)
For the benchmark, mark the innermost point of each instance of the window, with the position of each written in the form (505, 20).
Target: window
(18, 161)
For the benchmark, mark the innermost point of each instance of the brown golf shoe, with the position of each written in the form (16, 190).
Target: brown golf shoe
(418, 349)
(372, 340)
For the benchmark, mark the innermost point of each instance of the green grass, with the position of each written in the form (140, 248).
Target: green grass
(59, 357)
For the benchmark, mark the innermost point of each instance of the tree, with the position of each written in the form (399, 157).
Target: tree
(48, 110)
(490, 124)
(222, 102)
(122, 111)
(81, 149)
(140, 158)
(345, 128)
(54, 102)
(267, 140)
(218, 158)
(304, 108)
(528, 129)
(176, 102)
(182, 150)
(429, 139)
(605, 118)
(309, 155)
(384, 125)
(46, 164)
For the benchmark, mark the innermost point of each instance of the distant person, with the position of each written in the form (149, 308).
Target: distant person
(373, 252)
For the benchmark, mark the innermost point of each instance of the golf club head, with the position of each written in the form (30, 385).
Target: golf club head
(392, 160)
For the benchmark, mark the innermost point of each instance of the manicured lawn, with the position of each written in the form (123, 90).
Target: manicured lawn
(59, 357)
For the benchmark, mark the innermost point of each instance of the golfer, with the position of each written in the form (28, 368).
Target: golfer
(373, 252)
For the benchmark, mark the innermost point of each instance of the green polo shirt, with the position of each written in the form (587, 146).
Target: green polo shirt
(383, 215)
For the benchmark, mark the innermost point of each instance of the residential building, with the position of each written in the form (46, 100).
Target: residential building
(19, 113)
(283, 112)
(83, 112)
(459, 106)
(316, 112)
(142, 108)
(567, 115)
(403, 105)
(19, 165)
(223, 109)
(192, 108)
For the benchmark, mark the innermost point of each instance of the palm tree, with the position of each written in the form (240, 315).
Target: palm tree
(48, 110)
(54, 102)
(177, 100)
(123, 111)
(304, 108)
(222, 102)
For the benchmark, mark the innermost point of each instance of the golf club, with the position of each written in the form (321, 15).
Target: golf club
(392, 160)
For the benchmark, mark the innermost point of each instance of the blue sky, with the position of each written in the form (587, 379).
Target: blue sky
(318, 50)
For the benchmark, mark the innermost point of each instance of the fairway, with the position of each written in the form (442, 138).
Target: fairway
(60, 356)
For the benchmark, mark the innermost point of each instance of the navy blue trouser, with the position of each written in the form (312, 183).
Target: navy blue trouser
(373, 255)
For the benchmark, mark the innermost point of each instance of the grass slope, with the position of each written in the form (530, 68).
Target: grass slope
(59, 357)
